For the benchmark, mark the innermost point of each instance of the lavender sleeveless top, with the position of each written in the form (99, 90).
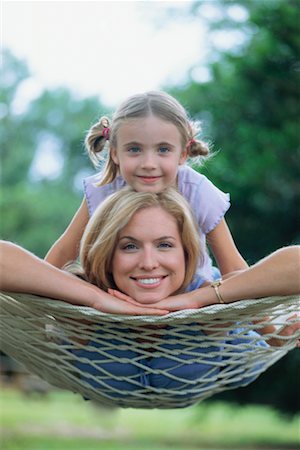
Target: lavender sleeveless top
(207, 202)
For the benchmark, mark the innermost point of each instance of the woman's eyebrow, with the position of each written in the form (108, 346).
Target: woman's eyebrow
(160, 238)
(129, 238)
(165, 237)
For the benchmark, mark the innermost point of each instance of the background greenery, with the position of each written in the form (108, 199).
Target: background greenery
(63, 420)
(249, 109)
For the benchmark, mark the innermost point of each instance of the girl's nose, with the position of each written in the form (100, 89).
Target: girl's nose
(148, 260)
(149, 161)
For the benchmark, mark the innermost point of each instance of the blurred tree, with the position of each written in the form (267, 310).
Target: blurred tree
(42, 154)
(250, 110)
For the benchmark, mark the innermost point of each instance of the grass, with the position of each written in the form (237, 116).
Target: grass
(63, 421)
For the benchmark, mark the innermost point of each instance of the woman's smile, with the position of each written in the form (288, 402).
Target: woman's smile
(149, 263)
(149, 283)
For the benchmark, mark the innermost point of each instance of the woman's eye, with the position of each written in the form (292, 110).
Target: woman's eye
(129, 247)
(165, 245)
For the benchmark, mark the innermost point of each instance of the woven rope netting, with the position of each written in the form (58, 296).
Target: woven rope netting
(166, 361)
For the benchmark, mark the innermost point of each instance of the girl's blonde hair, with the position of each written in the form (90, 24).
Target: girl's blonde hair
(157, 103)
(100, 238)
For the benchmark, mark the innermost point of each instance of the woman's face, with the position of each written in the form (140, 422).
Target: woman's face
(149, 263)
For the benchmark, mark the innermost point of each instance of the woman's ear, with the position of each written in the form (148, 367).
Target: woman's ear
(183, 156)
(114, 155)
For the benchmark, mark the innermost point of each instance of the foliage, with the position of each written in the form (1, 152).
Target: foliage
(37, 207)
(250, 110)
(279, 387)
(65, 419)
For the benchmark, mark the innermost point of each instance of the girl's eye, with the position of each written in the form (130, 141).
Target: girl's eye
(134, 149)
(163, 150)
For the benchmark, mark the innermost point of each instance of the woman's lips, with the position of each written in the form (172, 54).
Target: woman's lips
(149, 282)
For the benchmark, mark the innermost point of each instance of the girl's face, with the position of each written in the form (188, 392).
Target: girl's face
(148, 153)
(149, 263)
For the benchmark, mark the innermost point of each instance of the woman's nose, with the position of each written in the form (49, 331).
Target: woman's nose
(148, 260)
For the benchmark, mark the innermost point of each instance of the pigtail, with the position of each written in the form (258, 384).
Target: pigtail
(96, 139)
(196, 147)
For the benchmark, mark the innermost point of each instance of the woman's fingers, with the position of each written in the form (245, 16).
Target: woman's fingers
(181, 301)
(121, 296)
(110, 304)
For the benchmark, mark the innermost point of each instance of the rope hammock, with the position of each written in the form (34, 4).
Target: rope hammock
(169, 361)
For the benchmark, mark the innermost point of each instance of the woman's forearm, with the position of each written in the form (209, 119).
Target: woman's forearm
(277, 274)
(21, 271)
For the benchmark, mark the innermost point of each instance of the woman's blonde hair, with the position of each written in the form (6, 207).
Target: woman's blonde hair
(101, 234)
(157, 103)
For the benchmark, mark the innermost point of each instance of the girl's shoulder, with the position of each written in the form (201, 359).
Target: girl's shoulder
(96, 194)
(189, 180)
(188, 175)
(208, 203)
(93, 181)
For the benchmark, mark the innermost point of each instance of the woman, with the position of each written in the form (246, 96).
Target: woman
(146, 246)
(277, 274)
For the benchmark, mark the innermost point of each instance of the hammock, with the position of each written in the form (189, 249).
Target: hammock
(169, 361)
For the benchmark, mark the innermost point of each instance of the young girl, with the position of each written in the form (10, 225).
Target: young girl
(150, 138)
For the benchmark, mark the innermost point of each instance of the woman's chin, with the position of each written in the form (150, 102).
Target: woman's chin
(149, 297)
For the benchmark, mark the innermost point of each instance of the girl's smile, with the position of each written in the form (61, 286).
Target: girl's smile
(148, 153)
(149, 179)
(149, 262)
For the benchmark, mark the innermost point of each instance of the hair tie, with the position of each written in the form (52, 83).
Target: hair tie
(105, 133)
(191, 142)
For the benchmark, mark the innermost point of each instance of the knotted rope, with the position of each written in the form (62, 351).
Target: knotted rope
(166, 361)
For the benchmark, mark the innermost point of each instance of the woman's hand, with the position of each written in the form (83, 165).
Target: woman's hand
(175, 302)
(121, 296)
(190, 300)
(119, 303)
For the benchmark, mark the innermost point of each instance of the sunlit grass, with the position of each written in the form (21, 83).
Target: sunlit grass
(63, 421)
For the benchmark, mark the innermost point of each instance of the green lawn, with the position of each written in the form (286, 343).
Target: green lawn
(63, 421)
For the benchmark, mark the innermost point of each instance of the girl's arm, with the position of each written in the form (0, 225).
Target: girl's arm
(224, 249)
(66, 248)
(21, 271)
